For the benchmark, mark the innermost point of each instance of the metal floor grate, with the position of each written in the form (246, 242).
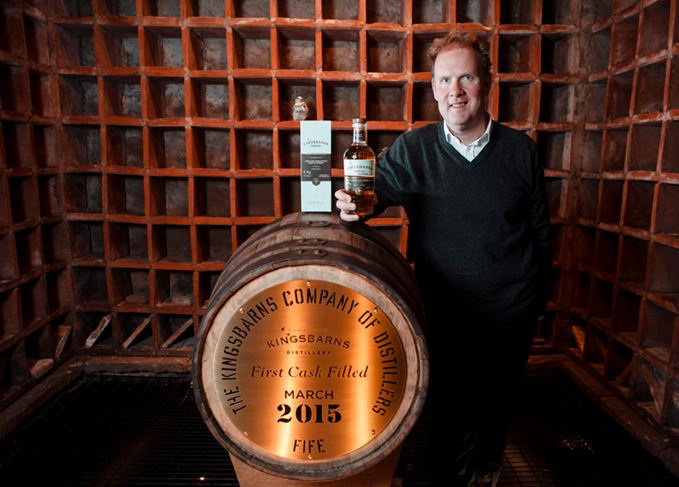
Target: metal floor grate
(140, 431)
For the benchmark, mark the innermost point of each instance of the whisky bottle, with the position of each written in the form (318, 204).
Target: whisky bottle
(359, 170)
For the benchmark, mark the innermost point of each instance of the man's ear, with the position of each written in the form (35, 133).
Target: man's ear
(433, 87)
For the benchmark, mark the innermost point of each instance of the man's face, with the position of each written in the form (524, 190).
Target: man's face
(460, 90)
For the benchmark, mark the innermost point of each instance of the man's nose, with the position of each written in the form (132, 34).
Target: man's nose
(455, 88)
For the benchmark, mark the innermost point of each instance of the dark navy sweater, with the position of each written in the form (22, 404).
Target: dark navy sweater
(479, 230)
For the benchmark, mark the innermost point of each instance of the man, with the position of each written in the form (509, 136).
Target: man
(474, 194)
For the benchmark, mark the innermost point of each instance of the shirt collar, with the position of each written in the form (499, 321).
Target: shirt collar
(481, 140)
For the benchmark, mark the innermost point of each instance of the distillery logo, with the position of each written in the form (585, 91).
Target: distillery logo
(316, 143)
(308, 338)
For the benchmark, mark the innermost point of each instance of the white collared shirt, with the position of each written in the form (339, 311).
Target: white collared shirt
(472, 150)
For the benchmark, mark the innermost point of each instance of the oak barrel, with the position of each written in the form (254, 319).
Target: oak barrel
(310, 362)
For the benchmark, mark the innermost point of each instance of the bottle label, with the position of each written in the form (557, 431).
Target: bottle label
(359, 167)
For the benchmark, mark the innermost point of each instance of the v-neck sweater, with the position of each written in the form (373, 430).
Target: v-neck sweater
(479, 230)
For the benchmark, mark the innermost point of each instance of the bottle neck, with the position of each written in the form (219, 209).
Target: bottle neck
(359, 135)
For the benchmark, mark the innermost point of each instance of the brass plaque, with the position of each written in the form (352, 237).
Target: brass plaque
(306, 370)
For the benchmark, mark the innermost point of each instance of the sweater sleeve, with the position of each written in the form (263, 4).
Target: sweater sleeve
(540, 227)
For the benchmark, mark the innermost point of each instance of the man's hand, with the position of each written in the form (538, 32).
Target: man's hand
(345, 206)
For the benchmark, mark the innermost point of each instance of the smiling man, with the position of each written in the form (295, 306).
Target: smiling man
(479, 235)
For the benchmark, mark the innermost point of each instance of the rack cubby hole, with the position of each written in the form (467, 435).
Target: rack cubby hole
(163, 47)
(86, 323)
(18, 142)
(385, 102)
(210, 98)
(289, 89)
(667, 216)
(654, 28)
(10, 323)
(663, 269)
(29, 250)
(166, 97)
(22, 192)
(389, 11)
(87, 240)
(602, 10)
(252, 48)
(58, 290)
(341, 100)
(638, 205)
(595, 94)
(341, 50)
(614, 150)
(40, 350)
(611, 201)
(72, 8)
(579, 294)
(14, 96)
(122, 96)
(297, 48)
(206, 8)
(8, 263)
(169, 324)
(12, 39)
(619, 96)
(254, 149)
(167, 148)
(673, 100)
(117, 8)
(606, 253)
(254, 197)
(601, 297)
(657, 329)
(211, 148)
(291, 195)
(558, 54)
(171, 243)
(124, 146)
(340, 141)
(471, 11)
(212, 197)
(425, 107)
(83, 193)
(644, 147)
(430, 12)
(33, 301)
(74, 45)
(381, 139)
(243, 232)
(125, 195)
(515, 102)
(626, 311)
(169, 196)
(214, 243)
(45, 144)
(340, 9)
(421, 44)
(79, 95)
(650, 88)
(119, 46)
(207, 49)
(206, 283)
(125, 324)
(130, 286)
(670, 161)
(599, 51)
(288, 145)
(625, 40)
(557, 12)
(253, 98)
(90, 286)
(81, 145)
(385, 52)
(297, 9)
(161, 8)
(174, 288)
(554, 149)
(128, 241)
(589, 195)
(49, 191)
(582, 248)
(555, 189)
(517, 12)
(556, 103)
(633, 260)
(516, 53)
(251, 8)
(55, 242)
(591, 154)
(41, 94)
(37, 43)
